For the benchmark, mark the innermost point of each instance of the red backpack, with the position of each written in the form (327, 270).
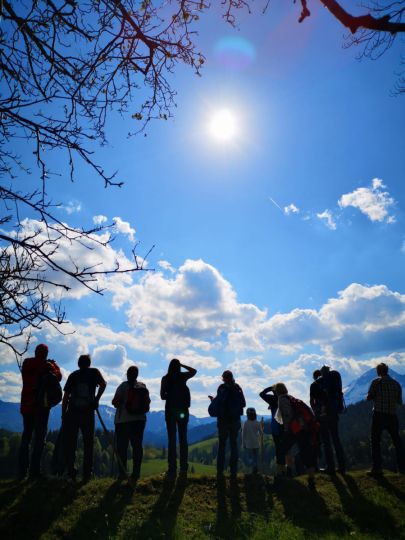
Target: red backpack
(304, 418)
(138, 400)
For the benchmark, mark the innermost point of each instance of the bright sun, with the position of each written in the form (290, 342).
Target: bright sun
(223, 125)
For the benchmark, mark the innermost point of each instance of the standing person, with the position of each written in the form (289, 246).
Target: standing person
(277, 431)
(175, 392)
(34, 411)
(228, 407)
(251, 436)
(386, 393)
(78, 406)
(132, 402)
(299, 428)
(326, 398)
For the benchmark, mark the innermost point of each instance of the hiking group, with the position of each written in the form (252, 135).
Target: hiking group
(313, 430)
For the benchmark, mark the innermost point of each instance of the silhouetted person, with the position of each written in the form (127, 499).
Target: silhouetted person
(175, 392)
(251, 436)
(277, 431)
(326, 400)
(228, 403)
(298, 429)
(386, 393)
(79, 403)
(132, 401)
(35, 414)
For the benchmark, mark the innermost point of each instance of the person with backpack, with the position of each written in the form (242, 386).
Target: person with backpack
(386, 394)
(175, 392)
(326, 398)
(277, 431)
(41, 391)
(79, 403)
(132, 401)
(227, 407)
(300, 428)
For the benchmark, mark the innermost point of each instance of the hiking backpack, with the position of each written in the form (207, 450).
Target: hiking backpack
(331, 386)
(138, 400)
(49, 389)
(227, 403)
(304, 418)
(82, 397)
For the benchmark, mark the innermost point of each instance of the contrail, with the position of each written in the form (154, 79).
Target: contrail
(275, 204)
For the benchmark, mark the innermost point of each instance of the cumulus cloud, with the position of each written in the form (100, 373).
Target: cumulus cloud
(99, 219)
(124, 227)
(73, 207)
(327, 217)
(165, 265)
(373, 202)
(191, 358)
(291, 209)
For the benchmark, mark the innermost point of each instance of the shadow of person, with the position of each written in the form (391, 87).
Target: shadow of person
(110, 508)
(307, 509)
(222, 518)
(161, 521)
(368, 515)
(234, 496)
(256, 495)
(40, 503)
(390, 487)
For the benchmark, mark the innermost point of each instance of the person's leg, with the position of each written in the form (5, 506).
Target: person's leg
(23, 458)
(171, 442)
(307, 449)
(136, 436)
(222, 437)
(327, 446)
(40, 431)
(122, 439)
(376, 431)
(334, 431)
(182, 425)
(233, 441)
(280, 453)
(70, 433)
(87, 426)
(392, 427)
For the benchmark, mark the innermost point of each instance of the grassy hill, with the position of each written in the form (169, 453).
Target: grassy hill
(354, 506)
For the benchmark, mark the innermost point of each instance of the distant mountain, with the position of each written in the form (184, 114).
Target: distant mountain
(357, 389)
(155, 432)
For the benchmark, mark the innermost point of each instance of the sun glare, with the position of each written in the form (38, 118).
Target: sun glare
(223, 125)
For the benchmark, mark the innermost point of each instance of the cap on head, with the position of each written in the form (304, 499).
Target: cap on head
(84, 361)
(41, 351)
(132, 373)
(382, 369)
(227, 376)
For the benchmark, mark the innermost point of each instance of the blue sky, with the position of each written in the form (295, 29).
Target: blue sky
(276, 252)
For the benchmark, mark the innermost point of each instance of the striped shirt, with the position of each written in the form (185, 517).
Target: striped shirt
(386, 393)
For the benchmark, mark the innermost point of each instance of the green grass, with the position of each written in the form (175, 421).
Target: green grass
(158, 466)
(351, 507)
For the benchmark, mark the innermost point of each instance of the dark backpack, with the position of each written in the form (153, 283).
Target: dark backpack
(304, 418)
(228, 402)
(138, 400)
(82, 397)
(331, 386)
(49, 389)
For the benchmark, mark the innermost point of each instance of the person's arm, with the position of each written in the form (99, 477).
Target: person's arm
(101, 387)
(243, 400)
(163, 388)
(55, 369)
(190, 371)
(286, 410)
(117, 399)
(65, 401)
(372, 391)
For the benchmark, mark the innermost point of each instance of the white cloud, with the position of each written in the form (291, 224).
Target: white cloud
(191, 358)
(73, 207)
(291, 209)
(99, 219)
(165, 265)
(372, 201)
(327, 216)
(124, 227)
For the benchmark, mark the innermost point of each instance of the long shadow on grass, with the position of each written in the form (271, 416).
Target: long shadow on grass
(37, 505)
(162, 519)
(366, 514)
(307, 509)
(103, 520)
(388, 486)
(257, 501)
(228, 525)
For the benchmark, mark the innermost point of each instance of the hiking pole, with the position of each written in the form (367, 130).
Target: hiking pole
(112, 443)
